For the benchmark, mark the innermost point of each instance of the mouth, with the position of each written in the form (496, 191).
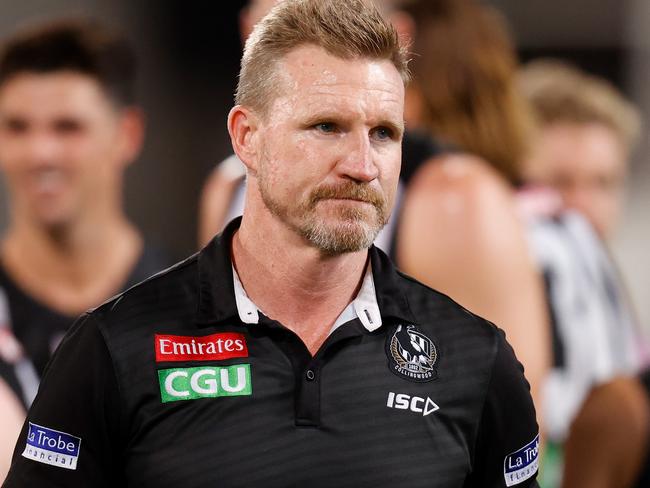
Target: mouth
(349, 199)
(47, 181)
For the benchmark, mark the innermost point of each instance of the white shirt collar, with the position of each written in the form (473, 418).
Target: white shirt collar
(248, 311)
(364, 306)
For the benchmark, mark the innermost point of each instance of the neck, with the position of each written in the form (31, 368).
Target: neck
(69, 242)
(71, 267)
(300, 287)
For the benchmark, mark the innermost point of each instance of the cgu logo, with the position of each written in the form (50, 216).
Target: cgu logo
(206, 382)
(416, 404)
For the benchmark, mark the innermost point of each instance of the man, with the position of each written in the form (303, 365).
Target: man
(222, 198)
(587, 132)
(69, 127)
(287, 353)
(509, 291)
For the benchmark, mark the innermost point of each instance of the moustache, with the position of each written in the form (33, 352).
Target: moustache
(349, 191)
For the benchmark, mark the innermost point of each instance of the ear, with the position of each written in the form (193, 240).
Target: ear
(131, 127)
(243, 126)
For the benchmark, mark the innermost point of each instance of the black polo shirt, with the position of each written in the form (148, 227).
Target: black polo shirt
(167, 386)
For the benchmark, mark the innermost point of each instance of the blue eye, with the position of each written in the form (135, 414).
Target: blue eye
(382, 133)
(326, 127)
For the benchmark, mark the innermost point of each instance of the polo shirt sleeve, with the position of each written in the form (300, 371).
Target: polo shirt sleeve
(72, 434)
(507, 446)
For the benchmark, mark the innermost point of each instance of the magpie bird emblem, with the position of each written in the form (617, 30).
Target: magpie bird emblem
(412, 354)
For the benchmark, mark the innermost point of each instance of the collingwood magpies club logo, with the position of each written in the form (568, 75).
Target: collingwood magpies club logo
(411, 354)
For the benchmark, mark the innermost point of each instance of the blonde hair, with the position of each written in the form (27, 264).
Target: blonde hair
(561, 93)
(465, 68)
(348, 29)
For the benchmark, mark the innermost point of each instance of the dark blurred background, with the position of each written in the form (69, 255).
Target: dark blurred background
(189, 53)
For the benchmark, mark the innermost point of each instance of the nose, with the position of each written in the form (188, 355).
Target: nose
(357, 162)
(41, 148)
(579, 197)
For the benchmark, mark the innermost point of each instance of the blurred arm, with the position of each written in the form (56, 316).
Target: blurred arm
(608, 440)
(11, 420)
(216, 197)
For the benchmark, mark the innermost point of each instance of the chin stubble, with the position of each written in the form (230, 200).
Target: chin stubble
(352, 231)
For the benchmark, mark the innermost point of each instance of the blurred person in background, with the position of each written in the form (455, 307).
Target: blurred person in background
(69, 128)
(458, 218)
(222, 198)
(587, 131)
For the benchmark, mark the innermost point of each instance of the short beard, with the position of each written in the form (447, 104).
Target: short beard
(353, 231)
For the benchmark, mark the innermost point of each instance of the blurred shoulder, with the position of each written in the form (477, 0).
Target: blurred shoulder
(461, 188)
(464, 174)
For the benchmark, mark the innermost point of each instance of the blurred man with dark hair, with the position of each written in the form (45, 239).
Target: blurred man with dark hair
(68, 130)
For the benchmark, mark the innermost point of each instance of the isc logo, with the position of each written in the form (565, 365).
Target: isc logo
(402, 401)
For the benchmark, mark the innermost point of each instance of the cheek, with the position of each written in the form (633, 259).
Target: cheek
(91, 154)
(609, 204)
(14, 150)
(291, 160)
(9, 156)
(88, 144)
(390, 167)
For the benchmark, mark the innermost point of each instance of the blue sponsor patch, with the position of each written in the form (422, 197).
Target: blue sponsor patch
(52, 447)
(521, 464)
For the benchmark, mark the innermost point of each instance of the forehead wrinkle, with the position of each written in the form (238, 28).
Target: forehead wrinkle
(385, 95)
(365, 82)
(309, 87)
(344, 101)
(360, 93)
(295, 68)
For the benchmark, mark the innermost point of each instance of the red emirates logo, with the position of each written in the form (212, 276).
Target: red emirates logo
(207, 348)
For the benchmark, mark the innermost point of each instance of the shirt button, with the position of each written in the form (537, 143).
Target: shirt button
(310, 375)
